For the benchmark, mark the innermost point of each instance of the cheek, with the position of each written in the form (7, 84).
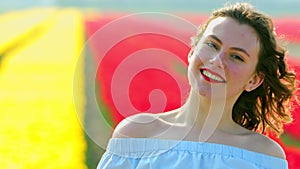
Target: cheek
(195, 62)
(236, 82)
(238, 75)
(203, 53)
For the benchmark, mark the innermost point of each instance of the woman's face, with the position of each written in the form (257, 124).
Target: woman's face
(225, 57)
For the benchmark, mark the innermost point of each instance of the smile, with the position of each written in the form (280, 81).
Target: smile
(211, 77)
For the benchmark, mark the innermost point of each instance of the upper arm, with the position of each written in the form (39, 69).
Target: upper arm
(276, 150)
(139, 125)
(119, 131)
(268, 146)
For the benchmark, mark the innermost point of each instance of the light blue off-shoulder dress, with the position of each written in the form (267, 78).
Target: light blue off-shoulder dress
(146, 153)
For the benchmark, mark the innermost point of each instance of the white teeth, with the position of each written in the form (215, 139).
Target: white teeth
(214, 77)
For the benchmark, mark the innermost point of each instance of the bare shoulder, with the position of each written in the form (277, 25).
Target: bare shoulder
(268, 146)
(140, 125)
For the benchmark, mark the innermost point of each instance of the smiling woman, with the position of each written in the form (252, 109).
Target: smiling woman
(240, 89)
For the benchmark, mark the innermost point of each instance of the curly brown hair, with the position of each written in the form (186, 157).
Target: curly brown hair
(268, 106)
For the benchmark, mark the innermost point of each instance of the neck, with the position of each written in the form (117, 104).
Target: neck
(208, 114)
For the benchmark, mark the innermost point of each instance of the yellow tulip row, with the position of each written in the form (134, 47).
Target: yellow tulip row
(39, 125)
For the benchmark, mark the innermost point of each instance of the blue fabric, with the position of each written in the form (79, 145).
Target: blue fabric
(145, 153)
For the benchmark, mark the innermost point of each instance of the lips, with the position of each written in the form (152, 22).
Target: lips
(212, 76)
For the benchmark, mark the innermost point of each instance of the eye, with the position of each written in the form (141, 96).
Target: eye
(237, 57)
(212, 45)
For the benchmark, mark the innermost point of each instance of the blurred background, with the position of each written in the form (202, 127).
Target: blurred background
(66, 69)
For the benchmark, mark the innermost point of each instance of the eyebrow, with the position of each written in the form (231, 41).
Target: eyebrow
(233, 48)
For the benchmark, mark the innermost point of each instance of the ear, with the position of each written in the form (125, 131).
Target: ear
(190, 54)
(254, 82)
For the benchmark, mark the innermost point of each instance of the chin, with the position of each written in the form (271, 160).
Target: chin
(204, 92)
(201, 91)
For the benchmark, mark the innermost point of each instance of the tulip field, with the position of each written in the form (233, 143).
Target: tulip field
(62, 69)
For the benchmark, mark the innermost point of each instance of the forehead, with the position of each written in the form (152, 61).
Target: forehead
(233, 34)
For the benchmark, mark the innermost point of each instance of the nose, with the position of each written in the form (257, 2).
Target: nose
(218, 59)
